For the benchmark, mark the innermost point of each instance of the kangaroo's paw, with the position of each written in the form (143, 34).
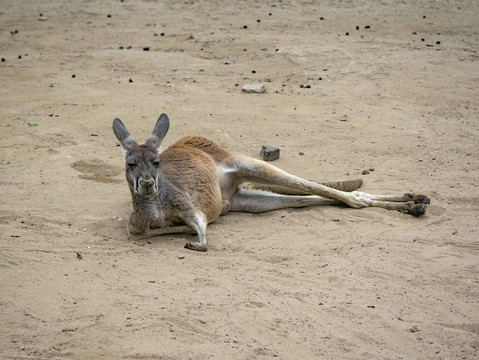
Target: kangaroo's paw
(416, 209)
(417, 198)
(195, 245)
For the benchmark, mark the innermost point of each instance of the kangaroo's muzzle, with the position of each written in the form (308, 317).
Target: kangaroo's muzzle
(146, 186)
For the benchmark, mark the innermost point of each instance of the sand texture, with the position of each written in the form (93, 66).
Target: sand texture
(385, 86)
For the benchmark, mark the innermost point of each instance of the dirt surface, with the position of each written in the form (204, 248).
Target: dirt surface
(350, 86)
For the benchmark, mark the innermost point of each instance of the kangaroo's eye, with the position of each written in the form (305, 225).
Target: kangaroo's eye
(131, 165)
(156, 163)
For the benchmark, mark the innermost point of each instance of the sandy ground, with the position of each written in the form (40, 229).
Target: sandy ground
(351, 85)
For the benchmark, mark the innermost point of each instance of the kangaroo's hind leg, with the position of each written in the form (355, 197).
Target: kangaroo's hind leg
(343, 185)
(255, 171)
(258, 201)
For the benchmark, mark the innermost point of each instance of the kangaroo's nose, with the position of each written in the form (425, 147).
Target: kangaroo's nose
(146, 183)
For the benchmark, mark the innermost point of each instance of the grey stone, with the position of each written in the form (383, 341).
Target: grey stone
(269, 153)
(256, 88)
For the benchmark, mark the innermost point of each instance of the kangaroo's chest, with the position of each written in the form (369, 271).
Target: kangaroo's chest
(162, 215)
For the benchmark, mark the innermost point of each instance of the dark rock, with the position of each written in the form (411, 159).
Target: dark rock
(269, 153)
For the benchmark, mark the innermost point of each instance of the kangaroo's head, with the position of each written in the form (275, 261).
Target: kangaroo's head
(142, 161)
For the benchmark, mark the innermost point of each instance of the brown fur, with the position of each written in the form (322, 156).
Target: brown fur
(193, 169)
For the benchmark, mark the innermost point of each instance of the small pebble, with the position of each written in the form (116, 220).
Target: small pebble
(130, 80)
(414, 329)
(146, 48)
(245, 26)
(365, 172)
(3, 60)
(257, 88)
(371, 169)
(367, 27)
(74, 76)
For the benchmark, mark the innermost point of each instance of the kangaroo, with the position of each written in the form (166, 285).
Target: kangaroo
(194, 181)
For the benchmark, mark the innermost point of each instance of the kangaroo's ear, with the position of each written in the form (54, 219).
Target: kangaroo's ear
(158, 133)
(126, 140)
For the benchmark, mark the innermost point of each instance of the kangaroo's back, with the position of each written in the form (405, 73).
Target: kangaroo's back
(217, 153)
